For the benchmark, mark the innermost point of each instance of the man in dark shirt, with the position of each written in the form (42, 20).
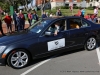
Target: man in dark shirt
(14, 18)
(1, 28)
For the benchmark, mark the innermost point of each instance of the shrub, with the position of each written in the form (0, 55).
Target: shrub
(64, 7)
(90, 8)
(75, 7)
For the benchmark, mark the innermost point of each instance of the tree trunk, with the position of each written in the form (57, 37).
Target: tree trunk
(26, 6)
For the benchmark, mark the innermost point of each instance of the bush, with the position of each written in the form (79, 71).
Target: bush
(90, 8)
(75, 7)
(61, 7)
(64, 7)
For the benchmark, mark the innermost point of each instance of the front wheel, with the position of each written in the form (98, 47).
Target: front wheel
(18, 59)
(90, 44)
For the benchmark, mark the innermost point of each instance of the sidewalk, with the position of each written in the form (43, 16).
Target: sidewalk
(13, 27)
(26, 22)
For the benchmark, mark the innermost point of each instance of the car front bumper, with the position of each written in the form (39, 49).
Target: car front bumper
(2, 62)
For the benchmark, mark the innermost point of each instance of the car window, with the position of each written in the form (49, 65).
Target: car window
(85, 24)
(38, 27)
(56, 26)
(61, 25)
(75, 23)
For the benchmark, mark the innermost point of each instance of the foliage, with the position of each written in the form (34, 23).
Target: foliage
(90, 8)
(6, 3)
(75, 7)
(4, 6)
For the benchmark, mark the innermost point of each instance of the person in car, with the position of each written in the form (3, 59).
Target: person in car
(55, 28)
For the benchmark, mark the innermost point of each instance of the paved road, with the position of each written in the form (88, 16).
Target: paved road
(78, 62)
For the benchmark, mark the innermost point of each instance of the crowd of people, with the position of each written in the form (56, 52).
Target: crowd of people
(91, 17)
(19, 18)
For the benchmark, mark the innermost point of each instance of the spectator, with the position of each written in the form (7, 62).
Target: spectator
(44, 15)
(8, 21)
(82, 12)
(79, 13)
(95, 18)
(30, 17)
(1, 28)
(34, 17)
(88, 17)
(47, 14)
(58, 13)
(51, 15)
(22, 20)
(14, 18)
(1, 11)
(96, 11)
(18, 20)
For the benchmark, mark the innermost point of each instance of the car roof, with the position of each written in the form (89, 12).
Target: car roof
(60, 17)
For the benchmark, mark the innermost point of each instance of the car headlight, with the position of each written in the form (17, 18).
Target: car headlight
(2, 48)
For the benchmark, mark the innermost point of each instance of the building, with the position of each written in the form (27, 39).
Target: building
(80, 3)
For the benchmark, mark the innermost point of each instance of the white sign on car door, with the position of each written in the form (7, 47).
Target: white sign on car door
(56, 44)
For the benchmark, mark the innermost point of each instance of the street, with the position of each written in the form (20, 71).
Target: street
(78, 62)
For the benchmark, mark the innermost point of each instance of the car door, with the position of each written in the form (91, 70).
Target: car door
(53, 43)
(77, 32)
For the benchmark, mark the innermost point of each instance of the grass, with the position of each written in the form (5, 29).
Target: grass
(67, 12)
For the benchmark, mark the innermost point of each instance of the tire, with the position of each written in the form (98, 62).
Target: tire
(90, 43)
(18, 59)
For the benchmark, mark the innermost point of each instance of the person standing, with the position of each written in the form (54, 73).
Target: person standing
(1, 11)
(51, 14)
(22, 19)
(96, 11)
(78, 13)
(82, 12)
(58, 13)
(30, 18)
(34, 17)
(18, 20)
(14, 18)
(1, 28)
(44, 15)
(8, 21)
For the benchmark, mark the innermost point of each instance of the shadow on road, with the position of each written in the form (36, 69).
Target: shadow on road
(36, 61)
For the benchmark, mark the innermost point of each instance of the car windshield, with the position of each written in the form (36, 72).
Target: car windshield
(38, 26)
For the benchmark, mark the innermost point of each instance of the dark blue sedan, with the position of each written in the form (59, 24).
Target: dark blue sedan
(46, 38)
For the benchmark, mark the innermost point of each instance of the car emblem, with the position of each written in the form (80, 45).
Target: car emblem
(56, 42)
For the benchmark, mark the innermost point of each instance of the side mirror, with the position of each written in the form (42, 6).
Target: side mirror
(48, 33)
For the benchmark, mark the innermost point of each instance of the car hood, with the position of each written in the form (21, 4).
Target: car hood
(16, 37)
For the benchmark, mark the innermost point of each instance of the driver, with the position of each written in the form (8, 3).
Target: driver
(55, 28)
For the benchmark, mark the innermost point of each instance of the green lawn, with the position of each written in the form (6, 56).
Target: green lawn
(67, 12)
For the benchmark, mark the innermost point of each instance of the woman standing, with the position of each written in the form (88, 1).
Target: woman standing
(8, 21)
